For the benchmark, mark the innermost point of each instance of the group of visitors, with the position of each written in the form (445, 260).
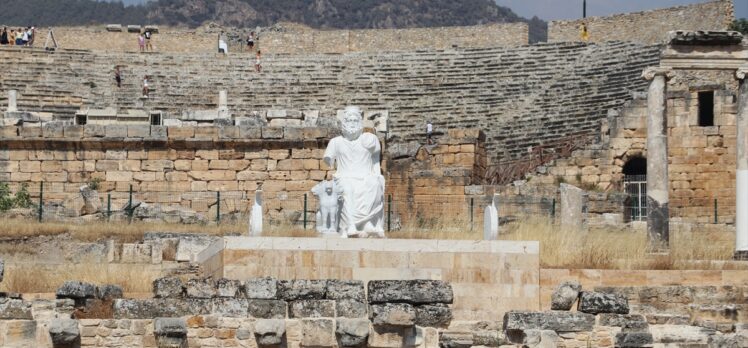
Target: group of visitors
(144, 41)
(118, 80)
(20, 37)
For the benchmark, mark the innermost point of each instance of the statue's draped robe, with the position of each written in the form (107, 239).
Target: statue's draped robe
(359, 177)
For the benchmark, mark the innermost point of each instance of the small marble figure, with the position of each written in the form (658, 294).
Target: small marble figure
(491, 220)
(255, 216)
(356, 155)
(329, 198)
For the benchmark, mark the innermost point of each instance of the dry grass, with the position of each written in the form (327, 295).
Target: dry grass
(46, 278)
(94, 231)
(559, 248)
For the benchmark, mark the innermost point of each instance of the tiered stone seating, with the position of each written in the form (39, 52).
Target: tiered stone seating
(520, 97)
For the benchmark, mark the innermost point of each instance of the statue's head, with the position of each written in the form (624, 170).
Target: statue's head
(353, 124)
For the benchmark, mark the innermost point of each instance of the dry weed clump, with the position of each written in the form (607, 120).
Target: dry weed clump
(46, 278)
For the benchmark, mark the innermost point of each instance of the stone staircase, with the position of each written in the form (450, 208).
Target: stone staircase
(520, 97)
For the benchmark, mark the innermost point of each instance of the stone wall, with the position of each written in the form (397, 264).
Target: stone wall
(429, 182)
(648, 26)
(300, 40)
(488, 277)
(291, 38)
(179, 166)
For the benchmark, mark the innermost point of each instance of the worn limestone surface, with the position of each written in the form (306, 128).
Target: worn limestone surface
(565, 295)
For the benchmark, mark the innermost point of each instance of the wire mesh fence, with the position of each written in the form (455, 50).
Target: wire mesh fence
(162, 202)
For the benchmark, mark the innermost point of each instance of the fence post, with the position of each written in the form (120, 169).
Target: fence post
(41, 200)
(472, 202)
(108, 205)
(553, 209)
(389, 212)
(129, 206)
(218, 207)
(715, 211)
(305, 202)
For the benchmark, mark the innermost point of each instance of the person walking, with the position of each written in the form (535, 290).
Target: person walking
(145, 87)
(19, 37)
(4, 36)
(429, 131)
(117, 76)
(141, 43)
(258, 61)
(25, 37)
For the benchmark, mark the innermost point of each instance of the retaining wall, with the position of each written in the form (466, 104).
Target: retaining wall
(647, 26)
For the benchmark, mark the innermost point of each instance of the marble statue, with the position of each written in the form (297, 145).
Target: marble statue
(255, 215)
(327, 215)
(491, 220)
(355, 155)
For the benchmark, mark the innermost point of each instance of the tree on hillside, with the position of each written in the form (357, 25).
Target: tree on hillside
(740, 25)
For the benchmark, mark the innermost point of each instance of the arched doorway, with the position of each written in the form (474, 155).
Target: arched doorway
(635, 185)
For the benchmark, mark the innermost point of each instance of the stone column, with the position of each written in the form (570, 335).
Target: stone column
(572, 206)
(223, 104)
(658, 213)
(12, 100)
(741, 174)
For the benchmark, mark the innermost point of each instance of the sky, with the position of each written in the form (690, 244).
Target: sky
(572, 9)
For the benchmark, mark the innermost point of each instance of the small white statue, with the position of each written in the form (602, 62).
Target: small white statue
(491, 220)
(255, 216)
(355, 155)
(327, 215)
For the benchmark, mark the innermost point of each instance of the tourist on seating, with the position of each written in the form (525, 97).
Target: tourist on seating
(148, 45)
(32, 35)
(4, 36)
(12, 37)
(258, 66)
(251, 41)
(429, 130)
(145, 86)
(19, 37)
(117, 76)
(141, 42)
(26, 37)
(585, 33)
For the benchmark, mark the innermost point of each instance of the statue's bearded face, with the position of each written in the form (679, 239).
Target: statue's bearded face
(352, 126)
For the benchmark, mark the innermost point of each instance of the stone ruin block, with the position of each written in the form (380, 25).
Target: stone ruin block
(270, 332)
(393, 314)
(136, 253)
(114, 27)
(347, 308)
(267, 309)
(168, 287)
(133, 28)
(312, 309)
(15, 309)
(170, 332)
(228, 287)
(302, 289)
(160, 307)
(339, 289)
(261, 288)
(410, 291)
(565, 295)
(201, 288)
(352, 332)
(109, 292)
(395, 337)
(598, 302)
(556, 321)
(433, 315)
(64, 332)
(318, 332)
(76, 290)
(152, 28)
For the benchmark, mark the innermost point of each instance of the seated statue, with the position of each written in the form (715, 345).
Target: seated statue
(355, 155)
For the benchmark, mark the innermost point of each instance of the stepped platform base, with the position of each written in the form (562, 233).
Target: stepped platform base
(488, 277)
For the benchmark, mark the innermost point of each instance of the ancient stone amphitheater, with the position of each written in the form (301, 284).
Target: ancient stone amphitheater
(528, 126)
